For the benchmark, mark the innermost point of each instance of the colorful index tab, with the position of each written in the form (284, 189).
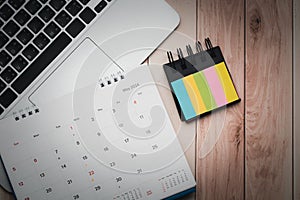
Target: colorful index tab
(227, 83)
(204, 91)
(194, 94)
(184, 99)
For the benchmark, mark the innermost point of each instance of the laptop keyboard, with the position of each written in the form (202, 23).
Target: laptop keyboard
(33, 33)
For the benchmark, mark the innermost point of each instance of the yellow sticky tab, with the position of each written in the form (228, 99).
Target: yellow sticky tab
(227, 83)
(194, 94)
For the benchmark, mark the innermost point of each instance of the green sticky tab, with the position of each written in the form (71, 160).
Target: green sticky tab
(205, 91)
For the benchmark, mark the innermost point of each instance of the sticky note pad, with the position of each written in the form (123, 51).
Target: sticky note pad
(200, 81)
(204, 91)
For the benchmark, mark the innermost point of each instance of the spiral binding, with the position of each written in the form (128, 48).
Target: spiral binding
(190, 52)
(208, 43)
(181, 58)
(199, 47)
(109, 80)
(25, 113)
(171, 60)
(30, 111)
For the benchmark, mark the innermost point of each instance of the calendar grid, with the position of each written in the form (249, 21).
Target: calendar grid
(83, 153)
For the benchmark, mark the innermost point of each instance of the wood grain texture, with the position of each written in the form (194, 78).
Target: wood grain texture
(4, 195)
(221, 172)
(269, 99)
(296, 99)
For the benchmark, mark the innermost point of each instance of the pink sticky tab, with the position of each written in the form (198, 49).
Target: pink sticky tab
(215, 85)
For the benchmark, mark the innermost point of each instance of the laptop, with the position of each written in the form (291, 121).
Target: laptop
(37, 36)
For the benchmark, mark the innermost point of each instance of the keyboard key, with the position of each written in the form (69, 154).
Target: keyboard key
(7, 97)
(1, 23)
(6, 12)
(2, 85)
(57, 4)
(46, 13)
(22, 17)
(84, 2)
(1, 110)
(33, 6)
(52, 30)
(4, 58)
(87, 15)
(25, 36)
(73, 7)
(43, 1)
(75, 27)
(3, 39)
(63, 18)
(11, 28)
(100, 6)
(19, 63)
(45, 58)
(13, 47)
(41, 41)
(1, 2)
(35, 25)
(8, 74)
(16, 4)
(30, 52)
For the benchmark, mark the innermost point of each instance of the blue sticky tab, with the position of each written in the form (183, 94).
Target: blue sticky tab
(183, 99)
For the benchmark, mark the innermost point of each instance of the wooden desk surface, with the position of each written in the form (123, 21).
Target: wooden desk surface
(253, 155)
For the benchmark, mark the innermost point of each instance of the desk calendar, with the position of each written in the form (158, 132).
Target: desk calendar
(109, 140)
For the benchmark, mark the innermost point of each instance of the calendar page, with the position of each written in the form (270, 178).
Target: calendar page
(108, 140)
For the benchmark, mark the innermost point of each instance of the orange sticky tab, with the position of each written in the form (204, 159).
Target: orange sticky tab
(194, 94)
